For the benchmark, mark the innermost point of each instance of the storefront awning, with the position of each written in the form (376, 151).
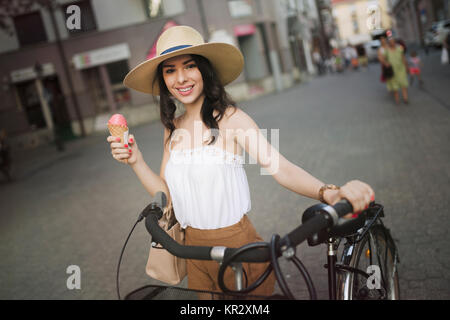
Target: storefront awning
(244, 30)
(101, 56)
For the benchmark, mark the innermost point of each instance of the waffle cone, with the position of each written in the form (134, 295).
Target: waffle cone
(121, 132)
(118, 131)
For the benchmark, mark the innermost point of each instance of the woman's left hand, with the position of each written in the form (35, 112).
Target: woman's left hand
(358, 193)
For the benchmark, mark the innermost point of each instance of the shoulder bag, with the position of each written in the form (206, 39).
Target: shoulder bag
(387, 72)
(161, 264)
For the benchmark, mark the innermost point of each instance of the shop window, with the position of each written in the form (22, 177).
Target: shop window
(117, 72)
(29, 28)
(87, 16)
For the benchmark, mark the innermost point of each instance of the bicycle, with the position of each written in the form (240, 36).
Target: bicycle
(369, 248)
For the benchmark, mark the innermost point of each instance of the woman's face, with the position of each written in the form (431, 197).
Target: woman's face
(183, 79)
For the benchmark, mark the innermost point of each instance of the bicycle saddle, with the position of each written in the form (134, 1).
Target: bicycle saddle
(343, 228)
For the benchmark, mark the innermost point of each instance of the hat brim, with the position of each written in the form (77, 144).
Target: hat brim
(225, 58)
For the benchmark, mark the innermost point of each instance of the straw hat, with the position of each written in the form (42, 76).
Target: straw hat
(226, 59)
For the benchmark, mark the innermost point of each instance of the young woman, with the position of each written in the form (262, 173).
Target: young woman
(201, 168)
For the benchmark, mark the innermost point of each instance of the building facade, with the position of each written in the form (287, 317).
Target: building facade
(357, 20)
(412, 18)
(62, 65)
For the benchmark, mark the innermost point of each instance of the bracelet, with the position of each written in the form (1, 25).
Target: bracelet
(325, 187)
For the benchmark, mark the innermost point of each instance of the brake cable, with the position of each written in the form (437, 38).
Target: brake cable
(274, 264)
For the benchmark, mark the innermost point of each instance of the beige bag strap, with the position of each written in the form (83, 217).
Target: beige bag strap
(168, 218)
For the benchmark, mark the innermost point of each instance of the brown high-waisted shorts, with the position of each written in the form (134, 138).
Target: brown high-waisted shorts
(202, 275)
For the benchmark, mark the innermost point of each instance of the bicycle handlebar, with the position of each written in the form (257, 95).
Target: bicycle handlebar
(330, 216)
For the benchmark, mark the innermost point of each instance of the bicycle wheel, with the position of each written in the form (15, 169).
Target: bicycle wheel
(375, 256)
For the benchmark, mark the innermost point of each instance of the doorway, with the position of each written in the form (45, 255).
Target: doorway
(96, 90)
(29, 99)
(254, 62)
(57, 103)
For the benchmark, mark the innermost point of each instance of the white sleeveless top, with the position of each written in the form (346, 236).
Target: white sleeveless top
(208, 186)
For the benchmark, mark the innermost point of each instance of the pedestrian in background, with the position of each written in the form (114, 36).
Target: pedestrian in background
(317, 58)
(394, 57)
(347, 56)
(415, 65)
(337, 60)
(381, 56)
(354, 58)
(362, 56)
(446, 49)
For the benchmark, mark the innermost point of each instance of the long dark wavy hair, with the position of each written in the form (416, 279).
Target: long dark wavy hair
(216, 98)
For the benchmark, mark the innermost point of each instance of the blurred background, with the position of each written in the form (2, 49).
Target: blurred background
(62, 68)
(311, 70)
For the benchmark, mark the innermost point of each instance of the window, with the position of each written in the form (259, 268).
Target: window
(154, 8)
(29, 28)
(163, 8)
(87, 17)
(116, 72)
(240, 8)
(355, 22)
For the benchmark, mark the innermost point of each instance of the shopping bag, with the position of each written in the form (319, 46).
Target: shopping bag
(444, 56)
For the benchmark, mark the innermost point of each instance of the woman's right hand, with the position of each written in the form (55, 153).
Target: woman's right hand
(124, 153)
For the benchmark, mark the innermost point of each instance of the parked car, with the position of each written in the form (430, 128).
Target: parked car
(372, 50)
(435, 35)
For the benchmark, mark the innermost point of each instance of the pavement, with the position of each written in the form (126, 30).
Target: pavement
(77, 207)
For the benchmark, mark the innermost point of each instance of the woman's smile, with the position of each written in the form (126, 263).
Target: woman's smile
(186, 90)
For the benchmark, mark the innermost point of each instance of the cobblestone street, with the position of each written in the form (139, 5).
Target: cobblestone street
(77, 207)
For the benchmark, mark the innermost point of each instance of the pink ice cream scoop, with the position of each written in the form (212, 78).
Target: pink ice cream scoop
(117, 126)
(118, 119)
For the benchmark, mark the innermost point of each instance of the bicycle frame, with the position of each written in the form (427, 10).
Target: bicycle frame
(332, 265)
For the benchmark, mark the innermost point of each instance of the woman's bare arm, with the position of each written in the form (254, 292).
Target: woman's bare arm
(287, 174)
(290, 176)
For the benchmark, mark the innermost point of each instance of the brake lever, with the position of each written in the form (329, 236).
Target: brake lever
(152, 208)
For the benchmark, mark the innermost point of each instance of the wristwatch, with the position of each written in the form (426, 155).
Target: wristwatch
(325, 187)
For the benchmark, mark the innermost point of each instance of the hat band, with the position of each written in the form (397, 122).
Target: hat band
(175, 48)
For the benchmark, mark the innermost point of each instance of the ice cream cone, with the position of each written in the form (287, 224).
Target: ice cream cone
(119, 131)
(118, 127)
